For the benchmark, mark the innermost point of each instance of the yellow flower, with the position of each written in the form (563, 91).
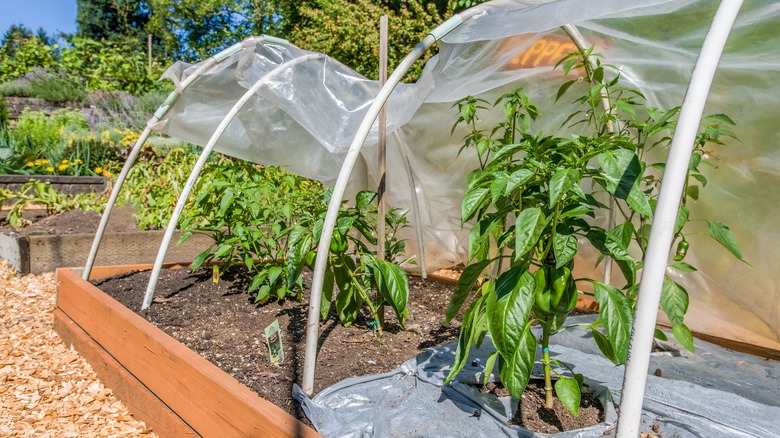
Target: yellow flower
(30, 164)
(106, 173)
(98, 170)
(79, 161)
(44, 161)
(50, 169)
(105, 134)
(62, 166)
(64, 161)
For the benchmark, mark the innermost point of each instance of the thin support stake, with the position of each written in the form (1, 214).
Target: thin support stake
(382, 159)
(662, 231)
(199, 165)
(582, 45)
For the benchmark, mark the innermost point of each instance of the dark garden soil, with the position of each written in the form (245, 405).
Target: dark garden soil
(72, 222)
(532, 414)
(221, 323)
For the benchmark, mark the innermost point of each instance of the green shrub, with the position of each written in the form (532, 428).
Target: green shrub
(52, 86)
(3, 113)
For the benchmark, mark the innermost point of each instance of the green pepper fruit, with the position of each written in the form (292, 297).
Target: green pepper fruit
(541, 293)
(338, 244)
(682, 250)
(564, 292)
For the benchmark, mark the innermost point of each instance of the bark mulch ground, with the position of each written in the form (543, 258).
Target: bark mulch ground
(46, 388)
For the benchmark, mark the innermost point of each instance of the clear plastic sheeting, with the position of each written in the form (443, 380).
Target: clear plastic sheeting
(306, 115)
(713, 393)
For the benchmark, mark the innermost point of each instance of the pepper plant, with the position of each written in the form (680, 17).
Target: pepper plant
(353, 271)
(534, 198)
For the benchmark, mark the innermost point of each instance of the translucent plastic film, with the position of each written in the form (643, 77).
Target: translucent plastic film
(306, 115)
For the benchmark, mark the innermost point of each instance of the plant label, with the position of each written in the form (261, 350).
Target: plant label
(273, 336)
(215, 274)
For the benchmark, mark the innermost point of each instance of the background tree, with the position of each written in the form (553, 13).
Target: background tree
(112, 20)
(348, 30)
(15, 37)
(194, 29)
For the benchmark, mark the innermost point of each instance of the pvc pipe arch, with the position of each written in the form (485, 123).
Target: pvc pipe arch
(226, 121)
(323, 247)
(662, 230)
(161, 112)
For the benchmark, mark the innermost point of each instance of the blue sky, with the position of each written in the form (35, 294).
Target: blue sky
(53, 15)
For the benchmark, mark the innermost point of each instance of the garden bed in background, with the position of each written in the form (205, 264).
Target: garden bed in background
(65, 239)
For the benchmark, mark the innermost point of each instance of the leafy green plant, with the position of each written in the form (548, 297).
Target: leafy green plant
(530, 211)
(247, 209)
(153, 187)
(41, 193)
(47, 84)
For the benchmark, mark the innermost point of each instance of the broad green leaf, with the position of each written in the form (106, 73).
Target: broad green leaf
(327, 293)
(682, 219)
(623, 170)
(561, 183)
(468, 278)
(364, 199)
(393, 284)
(184, 237)
(624, 233)
(508, 309)
(516, 369)
(660, 335)
(464, 339)
(348, 301)
(479, 239)
(473, 200)
(615, 312)
(528, 227)
(490, 363)
(256, 281)
(563, 88)
(517, 179)
(683, 335)
(226, 201)
(296, 258)
(682, 266)
(674, 301)
(609, 245)
(223, 250)
(575, 210)
(719, 118)
(509, 149)
(565, 248)
(723, 235)
(273, 274)
(693, 192)
(200, 258)
(604, 345)
(569, 393)
(497, 188)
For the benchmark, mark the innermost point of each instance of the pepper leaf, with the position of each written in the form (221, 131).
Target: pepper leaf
(615, 312)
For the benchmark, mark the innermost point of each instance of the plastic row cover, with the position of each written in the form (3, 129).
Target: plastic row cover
(306, 114)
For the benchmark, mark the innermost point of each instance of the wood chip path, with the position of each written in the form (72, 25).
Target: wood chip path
(46, 388)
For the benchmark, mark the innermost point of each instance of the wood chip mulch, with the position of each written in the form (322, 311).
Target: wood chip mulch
(46, 388)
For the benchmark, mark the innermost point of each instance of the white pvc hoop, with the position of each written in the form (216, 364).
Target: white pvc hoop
(161, 112)
(199, 166)
(662, 231)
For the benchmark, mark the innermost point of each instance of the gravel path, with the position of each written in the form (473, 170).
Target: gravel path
(47, 389)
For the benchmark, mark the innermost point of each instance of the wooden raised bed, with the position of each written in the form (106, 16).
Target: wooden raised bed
(39, 253)
(165, 384)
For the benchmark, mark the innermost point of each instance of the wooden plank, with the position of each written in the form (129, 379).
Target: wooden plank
(212, 402)
(139, 400)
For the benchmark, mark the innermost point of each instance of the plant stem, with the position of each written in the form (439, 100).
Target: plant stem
(548, 390)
